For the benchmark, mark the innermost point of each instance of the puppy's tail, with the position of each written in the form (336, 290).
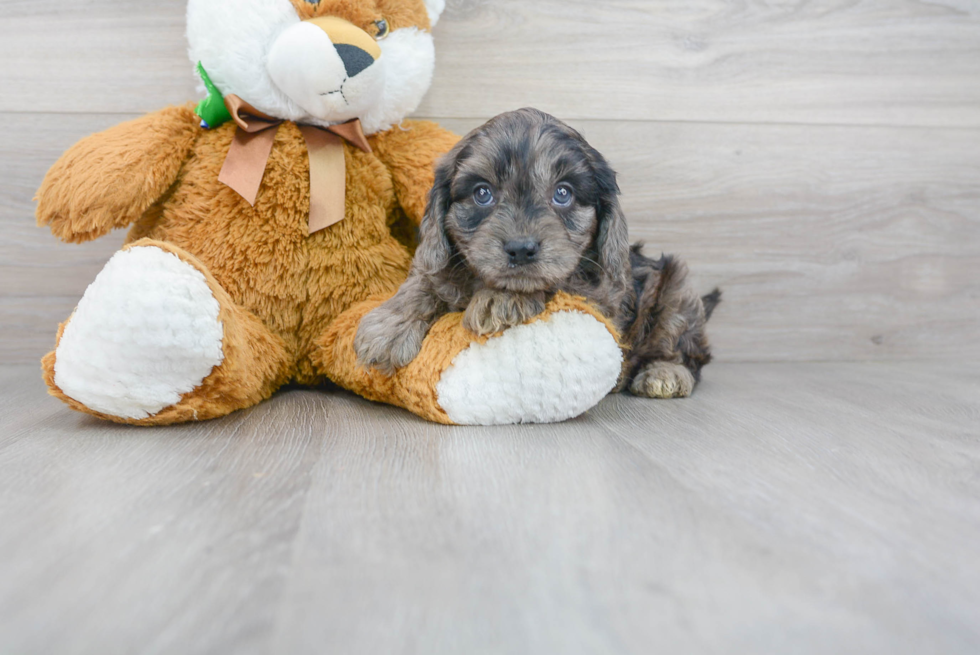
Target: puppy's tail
(711, 301)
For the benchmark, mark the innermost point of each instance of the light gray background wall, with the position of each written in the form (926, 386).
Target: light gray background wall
(820, 161)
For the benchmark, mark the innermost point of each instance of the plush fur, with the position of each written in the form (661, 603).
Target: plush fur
(490, 379)
(254, 361)
(233, 40)
(157, 300)
(262, 257)
(205, 264)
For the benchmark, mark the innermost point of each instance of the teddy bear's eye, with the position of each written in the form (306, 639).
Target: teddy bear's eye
(382, 29)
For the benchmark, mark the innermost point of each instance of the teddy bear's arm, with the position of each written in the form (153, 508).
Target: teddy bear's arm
(410, 152)
(108, 180)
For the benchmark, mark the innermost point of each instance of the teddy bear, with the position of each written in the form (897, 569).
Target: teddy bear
(266, 221)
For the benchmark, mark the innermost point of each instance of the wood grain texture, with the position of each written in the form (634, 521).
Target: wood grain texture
(806, 508)
(819, 160)
(892, 62)
(873, 62)
(831, 243)
(152, 541)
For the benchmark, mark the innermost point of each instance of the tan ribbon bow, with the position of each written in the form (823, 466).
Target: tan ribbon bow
(248, 156)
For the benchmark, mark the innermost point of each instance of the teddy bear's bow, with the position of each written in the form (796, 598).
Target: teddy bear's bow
(248, 156)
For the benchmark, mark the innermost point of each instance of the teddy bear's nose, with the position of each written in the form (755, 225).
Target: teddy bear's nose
(355, 59)
(356, 48)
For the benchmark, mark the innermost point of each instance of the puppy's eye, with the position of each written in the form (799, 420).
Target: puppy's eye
(563, 196)
(382, 29)
(483, 195)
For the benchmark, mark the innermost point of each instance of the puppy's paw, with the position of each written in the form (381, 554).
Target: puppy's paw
(387, 340)
(491, 311)
(663, 380)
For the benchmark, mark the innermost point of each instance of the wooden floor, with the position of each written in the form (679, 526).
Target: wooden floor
(804, 508)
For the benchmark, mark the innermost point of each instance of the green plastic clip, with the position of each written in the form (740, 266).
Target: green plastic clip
(212, 109)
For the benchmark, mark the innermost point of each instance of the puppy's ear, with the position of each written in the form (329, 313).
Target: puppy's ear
(434, 249)
(612, 236)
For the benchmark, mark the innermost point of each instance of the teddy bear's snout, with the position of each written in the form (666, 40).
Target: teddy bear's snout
(329, 67)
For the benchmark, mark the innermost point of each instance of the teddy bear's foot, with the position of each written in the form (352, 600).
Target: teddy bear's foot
(155, 340)
(542, 372)
(553, 368)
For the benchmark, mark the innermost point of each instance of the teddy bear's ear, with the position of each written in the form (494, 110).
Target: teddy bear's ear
(435, 9)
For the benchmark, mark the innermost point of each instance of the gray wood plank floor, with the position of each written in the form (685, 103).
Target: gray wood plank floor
(805, 508)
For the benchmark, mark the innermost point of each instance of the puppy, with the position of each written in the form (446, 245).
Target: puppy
(521, 208)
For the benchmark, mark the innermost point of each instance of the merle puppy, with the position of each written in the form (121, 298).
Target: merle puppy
(523, 207)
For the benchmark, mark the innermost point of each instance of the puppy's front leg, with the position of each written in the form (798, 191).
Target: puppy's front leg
(391, 336)
(491, 311)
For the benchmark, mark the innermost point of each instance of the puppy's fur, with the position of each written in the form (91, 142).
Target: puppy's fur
(524, 207)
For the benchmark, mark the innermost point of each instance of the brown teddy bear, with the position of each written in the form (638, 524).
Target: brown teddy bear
(262, 228)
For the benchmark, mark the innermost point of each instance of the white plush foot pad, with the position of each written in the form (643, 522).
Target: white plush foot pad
(145, 333)
(544, 372)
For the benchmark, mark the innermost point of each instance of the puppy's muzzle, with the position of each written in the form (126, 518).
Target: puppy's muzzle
(521, 252)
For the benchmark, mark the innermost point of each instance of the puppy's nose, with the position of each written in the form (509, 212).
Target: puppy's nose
(522, 251)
